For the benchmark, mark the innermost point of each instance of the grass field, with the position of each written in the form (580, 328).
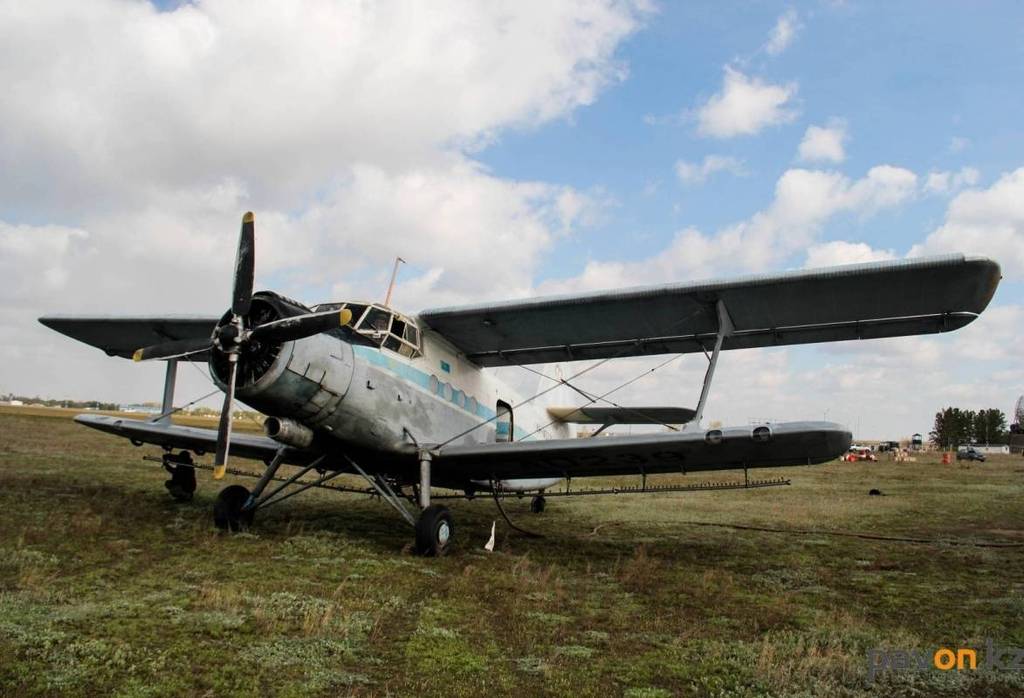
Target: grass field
(109, 587)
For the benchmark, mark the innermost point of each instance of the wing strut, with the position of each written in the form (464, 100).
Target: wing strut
(167, 405)
(725, 328)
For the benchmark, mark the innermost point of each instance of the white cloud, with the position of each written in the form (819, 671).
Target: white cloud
(958, 143)
(745, 106)
(783, 33)
(987, 222)
(60, 248)
(696, 173)
(825, 143)
(804, 201)
(838, 252)
(944, 183)
(993, 337)
(348, 128)
(278, 95)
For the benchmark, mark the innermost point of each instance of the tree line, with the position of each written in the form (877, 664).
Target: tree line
(955, 427)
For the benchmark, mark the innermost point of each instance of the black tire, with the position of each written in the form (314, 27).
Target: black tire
(227, 510)
(434, 531)
(537, 504)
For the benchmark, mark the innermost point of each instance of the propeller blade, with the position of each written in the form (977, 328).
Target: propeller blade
(245, 266)
(291, 328)
(172, 350)
(220, 462)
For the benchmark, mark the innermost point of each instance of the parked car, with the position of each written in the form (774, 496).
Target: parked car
(970, 454)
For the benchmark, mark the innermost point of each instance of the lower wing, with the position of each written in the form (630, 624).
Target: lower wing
(199, 440)
(795, 443)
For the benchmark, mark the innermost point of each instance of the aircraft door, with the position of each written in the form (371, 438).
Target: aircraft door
(504, 424)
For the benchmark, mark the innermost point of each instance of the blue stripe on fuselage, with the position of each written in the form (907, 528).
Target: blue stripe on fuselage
(421, 379)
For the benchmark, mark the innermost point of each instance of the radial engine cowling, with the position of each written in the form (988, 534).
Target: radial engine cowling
(256, 358)
(288, 432)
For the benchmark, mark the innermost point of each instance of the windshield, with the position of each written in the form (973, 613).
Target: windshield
(382, 326)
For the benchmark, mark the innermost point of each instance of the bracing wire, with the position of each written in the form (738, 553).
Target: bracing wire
(601, 397)
(617, 355)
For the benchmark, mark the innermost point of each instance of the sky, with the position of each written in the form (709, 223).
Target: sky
(513, 149)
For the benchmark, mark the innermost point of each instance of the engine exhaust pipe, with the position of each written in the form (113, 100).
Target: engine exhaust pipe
(288, 432)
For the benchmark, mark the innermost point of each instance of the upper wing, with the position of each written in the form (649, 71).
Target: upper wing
(798, 443)
(191, 438)
(622, 415)
(122, 336)
(860, 301)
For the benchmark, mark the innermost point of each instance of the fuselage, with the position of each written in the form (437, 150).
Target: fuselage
(369, 391)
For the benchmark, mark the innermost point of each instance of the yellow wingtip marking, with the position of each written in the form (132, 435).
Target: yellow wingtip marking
(248, 217)
(137, 356)
(218, 472)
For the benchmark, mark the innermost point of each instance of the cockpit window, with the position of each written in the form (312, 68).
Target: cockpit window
(376, 320)
(357, 311)
(381, 326)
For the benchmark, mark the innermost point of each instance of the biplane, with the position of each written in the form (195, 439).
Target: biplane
(410, 403)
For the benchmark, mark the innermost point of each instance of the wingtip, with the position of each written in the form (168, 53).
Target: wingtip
(218, 472)
(137, 356)
(248, 217)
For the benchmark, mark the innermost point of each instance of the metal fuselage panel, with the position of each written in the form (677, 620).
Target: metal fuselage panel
(381, 402)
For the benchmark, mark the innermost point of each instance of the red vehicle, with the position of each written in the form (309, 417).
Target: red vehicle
(861, 453)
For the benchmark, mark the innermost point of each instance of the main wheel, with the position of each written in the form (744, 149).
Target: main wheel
(228, 514)
(537, 504)
(434, 531)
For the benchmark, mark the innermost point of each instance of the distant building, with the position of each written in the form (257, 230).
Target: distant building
(916, 442)
(988, 448)
(143, 409)
(11, 403)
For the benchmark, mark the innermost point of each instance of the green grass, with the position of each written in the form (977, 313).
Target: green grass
(108, 586)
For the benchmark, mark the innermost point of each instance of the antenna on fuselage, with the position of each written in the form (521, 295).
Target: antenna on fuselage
(391, 286)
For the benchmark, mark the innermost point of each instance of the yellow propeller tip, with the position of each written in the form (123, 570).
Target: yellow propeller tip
(248, 217)
(218, 471)
(137, 356)
(346, 317)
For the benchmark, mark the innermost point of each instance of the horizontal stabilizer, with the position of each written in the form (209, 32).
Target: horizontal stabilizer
(622, 415)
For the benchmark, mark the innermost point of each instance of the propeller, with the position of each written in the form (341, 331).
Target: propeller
(172, 350)
(231, 335)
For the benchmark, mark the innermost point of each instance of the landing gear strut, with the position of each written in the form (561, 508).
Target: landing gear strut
(537, 504)
(182, 484)
(434, 528)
